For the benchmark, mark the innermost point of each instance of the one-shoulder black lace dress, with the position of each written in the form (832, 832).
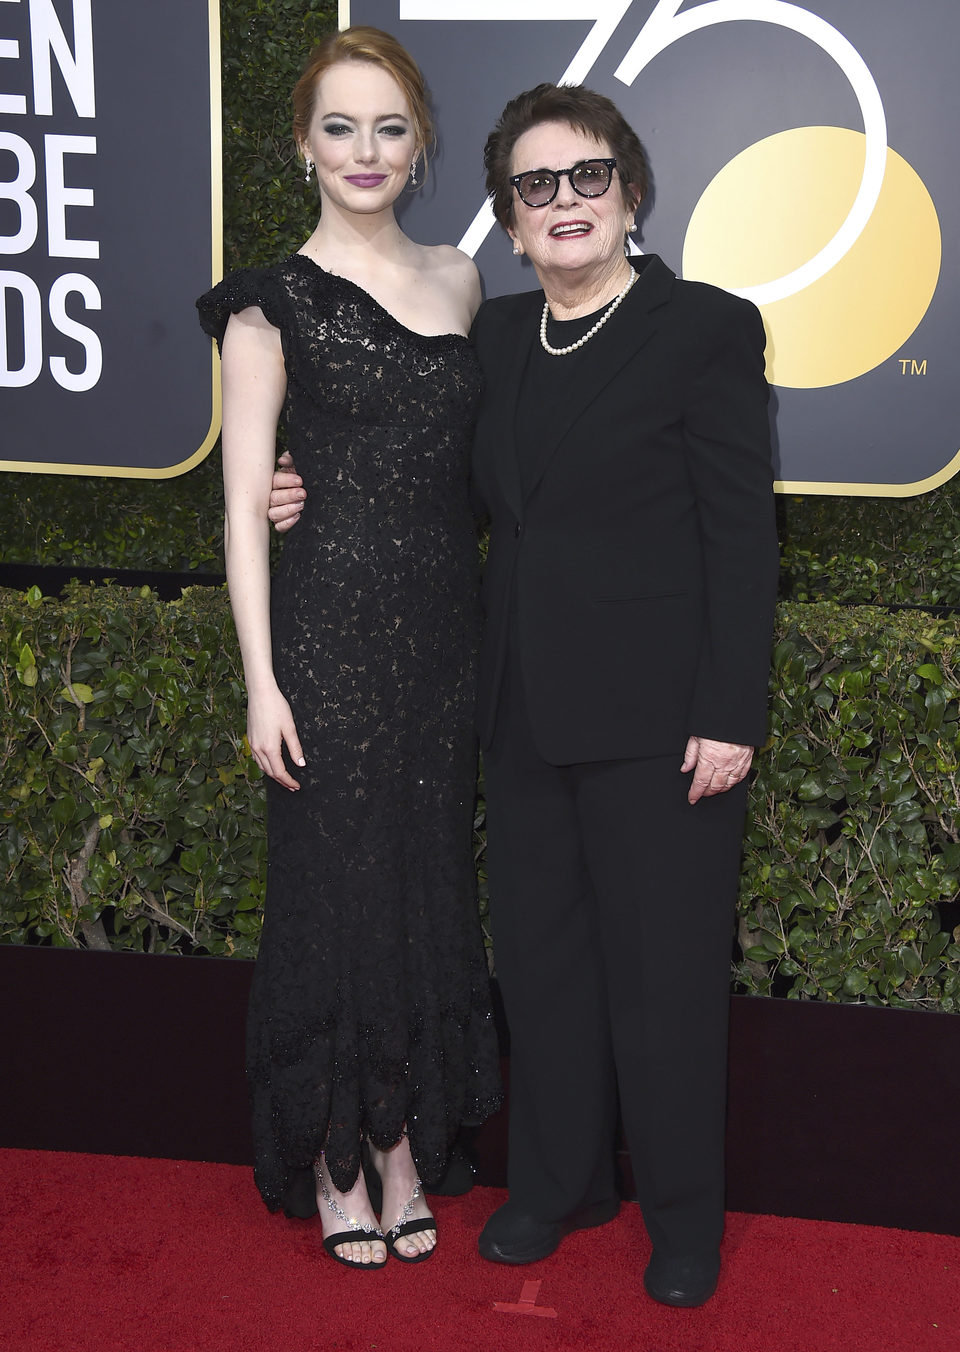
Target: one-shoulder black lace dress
(370, 1005)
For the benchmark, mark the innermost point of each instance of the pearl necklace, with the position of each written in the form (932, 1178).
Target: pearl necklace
(563, 351)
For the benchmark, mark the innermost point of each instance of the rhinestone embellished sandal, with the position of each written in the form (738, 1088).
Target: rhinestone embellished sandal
(406, 1226)
(348, 1236)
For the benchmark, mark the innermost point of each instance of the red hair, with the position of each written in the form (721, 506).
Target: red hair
(377, 48)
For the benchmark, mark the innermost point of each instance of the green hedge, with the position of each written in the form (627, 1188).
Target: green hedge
(133, 817)
(132, 814)
(152, 525)
(850, 878)
(883, 551)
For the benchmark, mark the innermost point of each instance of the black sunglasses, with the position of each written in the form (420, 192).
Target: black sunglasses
(588, 178)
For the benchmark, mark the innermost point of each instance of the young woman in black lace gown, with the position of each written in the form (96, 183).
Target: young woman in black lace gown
(369, 1017)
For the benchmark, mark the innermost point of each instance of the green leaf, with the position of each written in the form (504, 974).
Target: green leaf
(855, 982)
(911, 960)
(27, 666)
(63, 810)
(78, 691)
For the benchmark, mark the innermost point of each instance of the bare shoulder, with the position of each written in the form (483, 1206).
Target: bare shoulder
(449, 264)
(454, 272)
(447, 258)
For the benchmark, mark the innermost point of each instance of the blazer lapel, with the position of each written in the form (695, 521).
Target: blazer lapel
(627, 330)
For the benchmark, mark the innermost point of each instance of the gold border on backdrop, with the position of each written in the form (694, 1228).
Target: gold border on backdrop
(216, 218)
(873, 490)
(800, 487)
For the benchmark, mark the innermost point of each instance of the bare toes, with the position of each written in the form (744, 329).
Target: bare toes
(421, 1241)
(360, 1253)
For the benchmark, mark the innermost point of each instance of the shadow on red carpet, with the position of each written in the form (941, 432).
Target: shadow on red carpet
(106, 1254)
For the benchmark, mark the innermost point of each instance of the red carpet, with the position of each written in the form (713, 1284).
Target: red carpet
(109, 1254)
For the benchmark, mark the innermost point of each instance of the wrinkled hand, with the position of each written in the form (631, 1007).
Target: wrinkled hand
(269, 724)
(716, 766)
(287, 494)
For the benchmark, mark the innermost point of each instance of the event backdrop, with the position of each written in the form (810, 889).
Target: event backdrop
(110, 225)
(803, 155)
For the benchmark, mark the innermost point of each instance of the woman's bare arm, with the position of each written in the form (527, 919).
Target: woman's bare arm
(254, 385)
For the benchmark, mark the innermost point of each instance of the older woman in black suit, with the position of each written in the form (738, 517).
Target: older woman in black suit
(622, 455)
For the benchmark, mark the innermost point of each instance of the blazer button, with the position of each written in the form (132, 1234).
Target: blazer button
(518, 530)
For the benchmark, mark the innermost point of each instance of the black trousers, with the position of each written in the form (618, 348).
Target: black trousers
(612, 909)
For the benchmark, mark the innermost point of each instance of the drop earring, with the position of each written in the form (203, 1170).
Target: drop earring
(413, 174)
(309, 164)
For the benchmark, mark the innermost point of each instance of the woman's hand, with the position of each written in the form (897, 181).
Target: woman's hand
(269, 724)
(716, 766)
(287, 494)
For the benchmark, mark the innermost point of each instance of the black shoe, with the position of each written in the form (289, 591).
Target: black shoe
(512, 1235)
(410, 1228)
(410, 1225)
(355, 1229)
(682, 1281)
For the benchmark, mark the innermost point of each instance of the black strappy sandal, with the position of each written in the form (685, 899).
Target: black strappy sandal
(406, 1226)
(348, 1236)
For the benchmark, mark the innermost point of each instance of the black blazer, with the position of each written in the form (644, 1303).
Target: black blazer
(643, 560)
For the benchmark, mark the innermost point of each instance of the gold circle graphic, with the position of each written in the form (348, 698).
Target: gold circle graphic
(774, 206)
